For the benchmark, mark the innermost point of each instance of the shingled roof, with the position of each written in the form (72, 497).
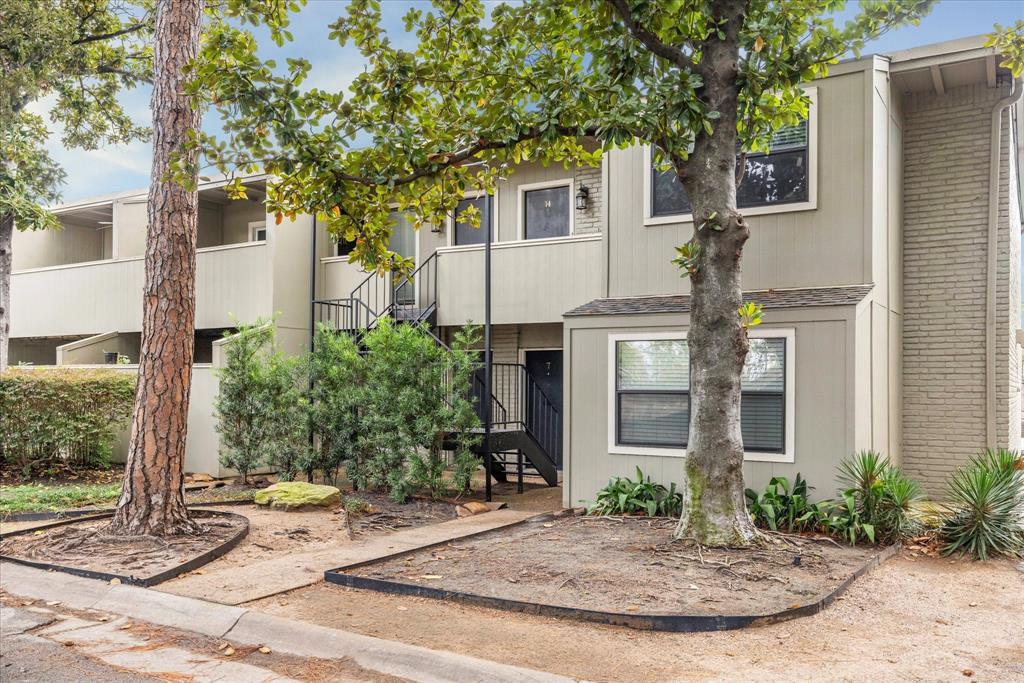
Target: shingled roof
(768, 298)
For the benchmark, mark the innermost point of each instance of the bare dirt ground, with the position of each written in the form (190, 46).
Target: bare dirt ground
(274, 533)
(87, 545)
(912, 619)
(628, 565)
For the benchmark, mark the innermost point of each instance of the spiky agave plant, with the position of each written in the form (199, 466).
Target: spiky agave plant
(988, 497)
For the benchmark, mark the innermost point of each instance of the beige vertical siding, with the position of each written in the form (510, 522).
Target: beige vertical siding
(43, 248)
(532, 282)
(945, 235)
(95, 298)
(826, 246)
(824, 357)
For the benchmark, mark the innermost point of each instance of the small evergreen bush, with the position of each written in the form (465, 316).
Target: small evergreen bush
(260, 404)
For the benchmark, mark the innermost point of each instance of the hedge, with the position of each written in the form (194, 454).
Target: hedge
(67, 415)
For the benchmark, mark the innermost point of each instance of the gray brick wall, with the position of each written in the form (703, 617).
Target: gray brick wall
(946, 165)
(589, 222)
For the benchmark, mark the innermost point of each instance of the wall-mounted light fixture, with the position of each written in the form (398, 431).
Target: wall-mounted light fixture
(582, 195)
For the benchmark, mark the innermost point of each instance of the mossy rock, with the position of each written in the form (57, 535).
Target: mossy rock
(297, 495)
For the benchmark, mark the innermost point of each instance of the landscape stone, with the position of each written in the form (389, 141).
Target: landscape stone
(296, 495)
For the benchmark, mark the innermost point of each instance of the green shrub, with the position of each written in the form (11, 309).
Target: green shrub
(624, 496)
(62, 415)
(414, 394)
(260, 404)
(336, 375)
(781, 507)
(876, 501)
(988, 499)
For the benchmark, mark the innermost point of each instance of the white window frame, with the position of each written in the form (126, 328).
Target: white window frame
(547, 184)
(255, 226)
(450, 219)
(812, 178)
(789, 452)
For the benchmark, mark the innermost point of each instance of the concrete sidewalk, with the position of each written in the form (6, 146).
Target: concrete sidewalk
(237, 585)
(248, 627)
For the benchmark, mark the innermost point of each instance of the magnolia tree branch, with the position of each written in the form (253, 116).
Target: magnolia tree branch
(648, 38)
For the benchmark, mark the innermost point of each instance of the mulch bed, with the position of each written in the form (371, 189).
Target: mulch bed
(384, 514)
(627, 565)
(86, 545)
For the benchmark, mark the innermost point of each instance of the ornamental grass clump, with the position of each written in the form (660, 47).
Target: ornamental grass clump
(988, 507)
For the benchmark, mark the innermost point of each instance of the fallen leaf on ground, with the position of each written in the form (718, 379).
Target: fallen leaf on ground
(126, 626)
(402, 609)
(115, 581)
(968, 672)
(264, 649)
(548, 525)
(229, 651)
(431, 576)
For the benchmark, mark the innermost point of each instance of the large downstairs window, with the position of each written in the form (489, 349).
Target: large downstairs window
(650, 405)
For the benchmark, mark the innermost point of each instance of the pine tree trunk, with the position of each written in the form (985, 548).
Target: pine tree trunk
(6, 261)
(714, 508)
(152, 500)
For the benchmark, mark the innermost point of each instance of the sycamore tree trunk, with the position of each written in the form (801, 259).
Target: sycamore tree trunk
(714, 509)
(6, 260)
(152, 500)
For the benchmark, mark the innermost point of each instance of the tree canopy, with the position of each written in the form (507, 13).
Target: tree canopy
(82, 53)
(483, 91)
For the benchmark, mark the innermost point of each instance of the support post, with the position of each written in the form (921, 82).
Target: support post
(488, 457)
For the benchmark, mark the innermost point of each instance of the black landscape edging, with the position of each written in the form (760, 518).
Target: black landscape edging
(16, 517)
(145, 581)
(682, 623)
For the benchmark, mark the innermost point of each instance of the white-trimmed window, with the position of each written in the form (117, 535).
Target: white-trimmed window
(546, 210)
(649, 395)
(462, 233)
(783, 180)
(258, 231)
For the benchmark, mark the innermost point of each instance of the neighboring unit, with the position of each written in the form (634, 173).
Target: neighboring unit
(885, 248)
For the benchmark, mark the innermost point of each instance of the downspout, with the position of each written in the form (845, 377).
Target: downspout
(993, 262)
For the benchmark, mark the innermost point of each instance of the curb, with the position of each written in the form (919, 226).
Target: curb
(679, 623)
(17, 517)
(246, 626)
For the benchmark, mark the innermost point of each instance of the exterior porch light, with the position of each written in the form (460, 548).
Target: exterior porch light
(582, 195)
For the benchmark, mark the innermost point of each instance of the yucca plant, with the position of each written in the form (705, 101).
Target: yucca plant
(881, 494)
(988, 497)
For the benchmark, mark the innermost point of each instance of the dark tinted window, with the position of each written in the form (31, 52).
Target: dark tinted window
(466, 233)
(547, 212)
(777, 178)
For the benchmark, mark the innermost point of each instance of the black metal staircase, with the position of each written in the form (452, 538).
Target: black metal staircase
(525, 424)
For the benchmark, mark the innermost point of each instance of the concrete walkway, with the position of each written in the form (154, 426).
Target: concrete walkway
(245, 627)
(237, 585)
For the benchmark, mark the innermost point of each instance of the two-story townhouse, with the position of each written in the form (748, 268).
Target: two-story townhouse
(886, 250)
(76, 292)
(889, 275)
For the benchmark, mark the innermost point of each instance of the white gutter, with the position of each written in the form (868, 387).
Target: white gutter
(993, 247)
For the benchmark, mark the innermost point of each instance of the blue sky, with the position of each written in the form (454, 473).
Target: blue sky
(111, 169)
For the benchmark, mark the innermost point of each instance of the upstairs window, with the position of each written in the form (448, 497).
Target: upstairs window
(546, 209)
(781, 177)
(463, 232)
(258, 231)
